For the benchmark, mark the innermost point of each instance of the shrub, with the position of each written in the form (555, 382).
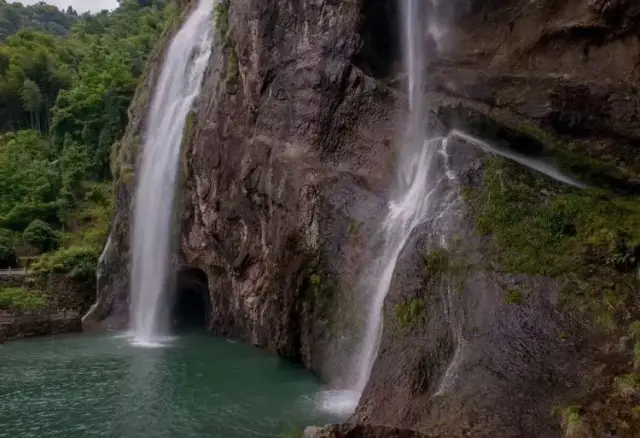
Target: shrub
(78, 262)
(19, 299)
(436, 263)
(514, 296)
(574, 424)
(409, 313)
(40, 235)
(292, 432)
(589, 240)
(22, 215)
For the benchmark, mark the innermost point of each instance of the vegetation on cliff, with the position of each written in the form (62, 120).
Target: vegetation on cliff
(590, 238)
(589, 242)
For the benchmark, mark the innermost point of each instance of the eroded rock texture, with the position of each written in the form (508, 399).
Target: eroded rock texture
(286, 170)
(287, 162)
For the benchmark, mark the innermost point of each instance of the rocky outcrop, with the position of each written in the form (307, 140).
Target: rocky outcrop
(523, 325)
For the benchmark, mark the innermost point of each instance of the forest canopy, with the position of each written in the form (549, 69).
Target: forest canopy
(66, 82)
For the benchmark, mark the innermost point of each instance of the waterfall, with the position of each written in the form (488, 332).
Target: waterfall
(152, 239)
(421, 192)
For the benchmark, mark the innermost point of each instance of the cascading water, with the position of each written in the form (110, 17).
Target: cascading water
(421, 193)
(177, 87)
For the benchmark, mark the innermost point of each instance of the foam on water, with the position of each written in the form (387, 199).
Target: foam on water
(340, 403)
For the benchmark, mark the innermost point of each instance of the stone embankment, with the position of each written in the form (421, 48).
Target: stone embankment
(14, 326)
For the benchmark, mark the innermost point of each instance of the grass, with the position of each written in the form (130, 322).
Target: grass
(588, 238)
(223, 36)
(628, 385)
(573, 421)
(292, 432)
(18, 299)
(233, 67)
(123, 158)
(354, 226)
(573, 158)
(409, 313)
(514, 296)
(316, 280)
(436, 263)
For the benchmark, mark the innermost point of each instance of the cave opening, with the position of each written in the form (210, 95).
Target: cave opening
(191, 304)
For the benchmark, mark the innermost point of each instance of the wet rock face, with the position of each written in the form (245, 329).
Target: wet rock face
(567, 67)
(287, 170)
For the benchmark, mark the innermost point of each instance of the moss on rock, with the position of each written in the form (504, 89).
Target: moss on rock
(409, 313)
(588, 241)
(588, 238)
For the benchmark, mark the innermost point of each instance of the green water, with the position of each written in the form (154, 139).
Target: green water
(197, 386)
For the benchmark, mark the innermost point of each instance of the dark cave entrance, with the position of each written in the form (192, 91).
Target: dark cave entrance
(191, 305)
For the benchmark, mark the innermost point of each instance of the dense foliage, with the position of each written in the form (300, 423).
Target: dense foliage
(41, 17)
(66, 82)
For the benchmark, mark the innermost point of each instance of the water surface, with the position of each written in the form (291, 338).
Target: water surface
(196, 386)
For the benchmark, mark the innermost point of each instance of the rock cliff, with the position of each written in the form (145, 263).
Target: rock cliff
(526, 322)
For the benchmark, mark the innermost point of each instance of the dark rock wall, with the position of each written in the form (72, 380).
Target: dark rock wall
(287, 168)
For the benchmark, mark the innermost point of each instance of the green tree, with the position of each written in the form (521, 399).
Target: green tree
(41, 236)
(32, 102)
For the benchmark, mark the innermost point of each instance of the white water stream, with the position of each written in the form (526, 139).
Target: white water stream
(152, 239)
(420, 195)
